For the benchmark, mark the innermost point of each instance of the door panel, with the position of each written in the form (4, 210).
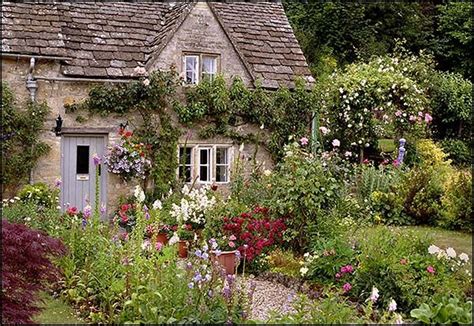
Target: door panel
(78, 170)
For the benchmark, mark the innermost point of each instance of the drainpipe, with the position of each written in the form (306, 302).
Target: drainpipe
(32, 86)
(31, 83)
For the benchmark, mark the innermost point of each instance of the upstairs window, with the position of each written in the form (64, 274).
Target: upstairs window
(199, 67)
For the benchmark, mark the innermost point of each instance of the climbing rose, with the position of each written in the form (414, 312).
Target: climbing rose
(336, 143)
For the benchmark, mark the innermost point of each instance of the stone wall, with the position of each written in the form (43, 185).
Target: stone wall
(57, 93)
(202, 33)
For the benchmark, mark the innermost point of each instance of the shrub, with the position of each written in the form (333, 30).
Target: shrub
(456, 202)
(26, 266)
(444, 310)
(397, 262)
(284, 262)
(458, 151)
(40, 194)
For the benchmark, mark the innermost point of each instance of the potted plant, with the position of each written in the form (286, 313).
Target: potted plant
(163, 233)
(185, 235)
(227, 256)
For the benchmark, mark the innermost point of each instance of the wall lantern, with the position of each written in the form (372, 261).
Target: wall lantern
(59, 124)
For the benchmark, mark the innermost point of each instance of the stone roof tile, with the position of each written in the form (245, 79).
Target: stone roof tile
(109, 39)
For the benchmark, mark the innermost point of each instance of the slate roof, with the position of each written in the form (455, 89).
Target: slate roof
(109, 39)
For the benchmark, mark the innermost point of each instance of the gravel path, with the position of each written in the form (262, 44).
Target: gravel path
(271, 296)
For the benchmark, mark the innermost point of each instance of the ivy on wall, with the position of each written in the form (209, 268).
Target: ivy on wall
(21, 147)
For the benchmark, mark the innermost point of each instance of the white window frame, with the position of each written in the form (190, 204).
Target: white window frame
(196, 70)
(191, 165)
(211, 165)
(226, 165)
(200, 64)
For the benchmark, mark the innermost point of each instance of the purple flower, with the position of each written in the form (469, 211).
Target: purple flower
(428, 118)
(57, 183)
(84, 223)
(346, 287)
(147, 214)
(96, 159)
(103, 209)
(226, 292)
(191, 285)
(197, 277)
(189, 265)
(198, 253)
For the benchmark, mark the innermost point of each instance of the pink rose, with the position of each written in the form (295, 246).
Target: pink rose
(338, 275)
(398, 113)
(232, 238)
(430, 269)
(231, 244)
(428, 118)
(346, 287)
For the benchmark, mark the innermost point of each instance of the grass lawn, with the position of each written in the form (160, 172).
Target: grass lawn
(387, 145)
(460, 241)
(56, 312)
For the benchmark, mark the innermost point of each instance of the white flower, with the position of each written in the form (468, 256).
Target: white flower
(146, 245)
(374, 295)
(262, 126)
(157, 204)
(267, 173)
(174, 239)
(399, 320)
(347, 154)
(303, 271)
(433, 249)
(146, 82)
(336, 143)
(464, 257)
(324, 130)
(306, 254)
(392, 305)
(241, 148)
(341, 90)
(139, 70)
(451, 252)
(139, 194)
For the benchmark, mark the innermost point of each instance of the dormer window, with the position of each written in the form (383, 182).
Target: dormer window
(199, 67)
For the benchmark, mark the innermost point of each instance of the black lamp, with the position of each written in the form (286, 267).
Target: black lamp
(59, 124)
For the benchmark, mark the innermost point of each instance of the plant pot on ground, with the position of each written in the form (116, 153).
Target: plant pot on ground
(185, 235)
(227, 260)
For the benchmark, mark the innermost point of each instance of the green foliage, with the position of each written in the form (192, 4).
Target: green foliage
(446, 310)
(223, 108)
(303, 191)
(383, 98)
(451, 100)
(283, 262)
(396, 262)
(454, 40)
(458, 151)
(456, 202)
(21, 147)
(40, 194)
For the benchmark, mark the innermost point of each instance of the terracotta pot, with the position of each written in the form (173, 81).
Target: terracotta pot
(227, 260)
(182, 249)
(162, 237)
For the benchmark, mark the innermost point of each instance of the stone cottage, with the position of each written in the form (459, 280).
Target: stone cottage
(55, 52)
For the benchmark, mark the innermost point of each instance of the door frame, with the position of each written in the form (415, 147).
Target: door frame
(85, 134)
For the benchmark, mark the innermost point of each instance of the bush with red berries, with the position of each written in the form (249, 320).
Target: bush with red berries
(254, 232)
(26, 269)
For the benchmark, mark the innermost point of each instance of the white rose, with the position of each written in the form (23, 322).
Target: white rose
(464, 257)
(451, 252)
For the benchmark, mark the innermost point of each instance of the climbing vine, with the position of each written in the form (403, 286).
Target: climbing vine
(21, 147)
(213, 106)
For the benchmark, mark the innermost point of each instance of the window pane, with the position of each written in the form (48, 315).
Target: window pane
(203, 173)
(209, 65)
(221, 173)
(185, 156)
(221, 155)
(82, 161)
(191, 69)
(185, 172)
(204, 155)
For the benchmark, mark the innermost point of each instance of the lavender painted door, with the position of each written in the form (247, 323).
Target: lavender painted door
(78, 172)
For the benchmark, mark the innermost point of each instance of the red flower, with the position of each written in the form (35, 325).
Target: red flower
(71, 211)
(128, 134)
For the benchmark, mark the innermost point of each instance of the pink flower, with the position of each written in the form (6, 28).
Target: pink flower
(232, 238)
(430, 269)
(336, 143)
(365, 161)
(231, 244)
(346, 287)
(412, 118)
(428, 118)
(385, 162)
(158, 246)
(420, 114)
(57, 183)
(398, 113)
(338, 275)
(347, 269)
(396, 163)
(403, 261)
(304, 141)
(324, 130)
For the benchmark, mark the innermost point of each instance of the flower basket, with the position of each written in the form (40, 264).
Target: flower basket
(182, 249)
(227, 260)
(162, 237)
